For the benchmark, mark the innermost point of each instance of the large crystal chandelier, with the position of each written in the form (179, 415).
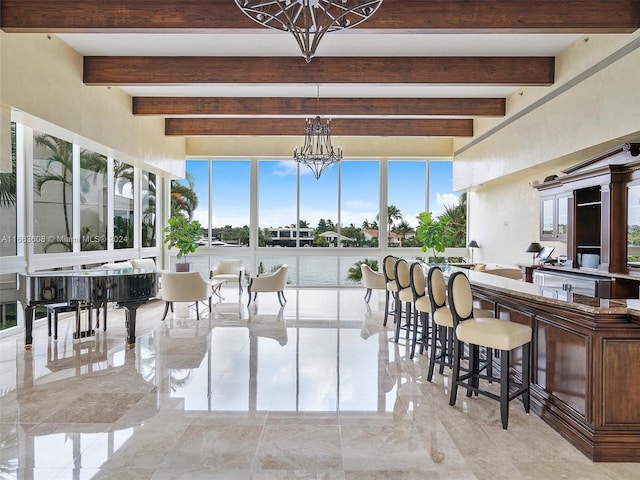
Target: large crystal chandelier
(309, 20)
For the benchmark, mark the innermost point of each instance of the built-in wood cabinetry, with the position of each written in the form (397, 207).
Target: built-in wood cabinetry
(584, 353)
(595, 195)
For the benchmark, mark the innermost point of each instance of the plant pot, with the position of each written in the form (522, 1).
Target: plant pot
(183, 267)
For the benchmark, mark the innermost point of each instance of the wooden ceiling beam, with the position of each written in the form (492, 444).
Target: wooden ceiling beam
(540, 16)
(518, 71)
(279, 107)
(375, 127)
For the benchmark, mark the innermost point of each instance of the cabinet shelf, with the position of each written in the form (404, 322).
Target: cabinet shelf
(589, 204)
(589, 246)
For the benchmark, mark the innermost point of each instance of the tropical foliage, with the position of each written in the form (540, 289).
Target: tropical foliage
(431, 232)
(8, 179)
(184, 199)
(182, 234)
(355, 274)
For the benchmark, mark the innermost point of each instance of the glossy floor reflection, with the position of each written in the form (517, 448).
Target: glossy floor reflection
(314, 390)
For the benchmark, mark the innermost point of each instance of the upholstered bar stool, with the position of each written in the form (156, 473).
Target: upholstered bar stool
(492, 333)
(388, 270)
(421, 307)
(403, 295)
(441, 340)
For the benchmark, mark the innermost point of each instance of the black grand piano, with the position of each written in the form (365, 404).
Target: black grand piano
(129, 288)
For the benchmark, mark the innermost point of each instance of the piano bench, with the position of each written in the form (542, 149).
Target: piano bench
(53, 309)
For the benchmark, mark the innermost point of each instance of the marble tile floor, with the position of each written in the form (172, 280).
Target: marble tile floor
(314, 390)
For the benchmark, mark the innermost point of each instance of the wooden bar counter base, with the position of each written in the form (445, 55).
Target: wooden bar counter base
(585, 378)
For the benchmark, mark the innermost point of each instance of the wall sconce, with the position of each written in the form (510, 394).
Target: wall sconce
(534, 248)
(473, 244)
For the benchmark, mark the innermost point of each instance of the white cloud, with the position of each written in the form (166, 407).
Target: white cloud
(285, 169)
(442, 199)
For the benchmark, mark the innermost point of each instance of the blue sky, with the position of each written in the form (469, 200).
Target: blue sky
(319, 198)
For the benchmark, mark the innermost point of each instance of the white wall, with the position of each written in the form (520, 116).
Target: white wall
(42, 78)
(594, 105)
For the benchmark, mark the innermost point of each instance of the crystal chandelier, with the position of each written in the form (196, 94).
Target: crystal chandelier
(309, 20)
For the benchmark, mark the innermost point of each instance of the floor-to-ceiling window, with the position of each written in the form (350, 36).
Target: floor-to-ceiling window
(52, 194)
(406, 198)
(8, 237)
(148, 210)
(230, 190)
(322, 229)
(93, 200)
(277, 206)
(63, 204)
(123, 205)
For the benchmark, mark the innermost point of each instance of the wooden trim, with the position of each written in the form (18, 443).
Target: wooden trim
(375, 127)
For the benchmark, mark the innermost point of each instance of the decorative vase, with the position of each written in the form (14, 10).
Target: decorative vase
(183, 267)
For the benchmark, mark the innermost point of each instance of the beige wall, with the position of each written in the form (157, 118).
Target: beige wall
(42, 78)
(594, 105)
(353, 147)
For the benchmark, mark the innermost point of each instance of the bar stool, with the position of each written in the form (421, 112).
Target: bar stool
(421, 307)
(441, 351)
(388, 270)
(493, 333)
(403, 294)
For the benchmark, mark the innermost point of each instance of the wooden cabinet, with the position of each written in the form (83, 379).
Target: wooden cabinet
(583, 357)
(587, 207)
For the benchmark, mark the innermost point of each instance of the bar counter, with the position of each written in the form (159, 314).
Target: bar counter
(585, 361)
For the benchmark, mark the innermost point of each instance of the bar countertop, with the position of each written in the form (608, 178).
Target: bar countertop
(535, 292)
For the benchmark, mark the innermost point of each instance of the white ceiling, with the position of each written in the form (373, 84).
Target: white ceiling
(346, 43)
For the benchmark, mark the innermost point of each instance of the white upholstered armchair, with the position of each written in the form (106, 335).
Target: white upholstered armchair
(269, 282)
(372, 280)
(228, 271)
(184, 287)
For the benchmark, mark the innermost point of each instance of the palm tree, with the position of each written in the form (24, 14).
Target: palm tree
(148, 195)
(184, 199)
(393, 214)
(8, 180)
(60, 155)
(402, 229)
(455, 217)
(355, 274)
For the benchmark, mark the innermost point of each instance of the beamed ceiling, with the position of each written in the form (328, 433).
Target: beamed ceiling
(416, 68)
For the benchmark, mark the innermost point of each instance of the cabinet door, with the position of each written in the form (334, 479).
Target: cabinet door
(547, 218)
(554, 217)
(562, 217)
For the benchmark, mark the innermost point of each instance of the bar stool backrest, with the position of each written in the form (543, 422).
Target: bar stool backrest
(388, 268)
(403, 276)
(460, 298)
(418, 281)
(437, 288)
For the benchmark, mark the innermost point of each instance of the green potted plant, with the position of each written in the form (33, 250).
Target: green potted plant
(432, 233)
(182, 234)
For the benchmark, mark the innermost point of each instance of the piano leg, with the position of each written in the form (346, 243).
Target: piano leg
(131, 322)
(28, 322)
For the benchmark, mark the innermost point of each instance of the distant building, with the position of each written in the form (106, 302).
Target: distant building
(393, 239)
(332, 237)
(286, 236)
